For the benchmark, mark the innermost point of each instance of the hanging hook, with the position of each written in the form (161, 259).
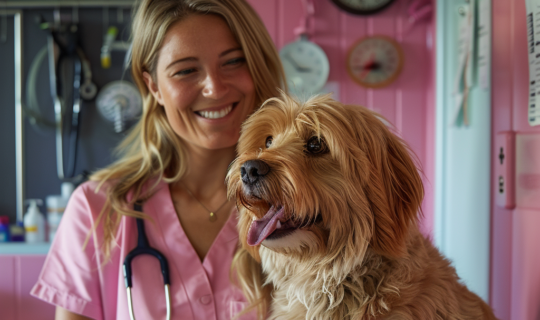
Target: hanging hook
(419, 10)
(57, 16)
(309, 14)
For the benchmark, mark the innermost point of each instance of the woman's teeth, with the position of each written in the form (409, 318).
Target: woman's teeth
(216, 114)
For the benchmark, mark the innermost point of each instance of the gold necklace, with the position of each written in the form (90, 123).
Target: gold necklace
(212, 217)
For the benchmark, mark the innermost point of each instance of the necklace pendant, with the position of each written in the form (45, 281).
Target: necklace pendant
(212, 217)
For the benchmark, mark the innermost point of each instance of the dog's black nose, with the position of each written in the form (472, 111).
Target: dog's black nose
(252, 170)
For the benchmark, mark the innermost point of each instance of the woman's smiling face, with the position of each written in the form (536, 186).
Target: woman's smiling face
(203, 82)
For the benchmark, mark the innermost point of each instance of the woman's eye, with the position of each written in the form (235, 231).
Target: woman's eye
(185, 72)
(236, 61)
(316, 145)
(268, 142)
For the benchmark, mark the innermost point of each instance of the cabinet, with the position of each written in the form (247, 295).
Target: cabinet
(18, 274)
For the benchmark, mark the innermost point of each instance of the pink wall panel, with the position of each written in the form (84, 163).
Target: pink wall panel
(7, 288)
(267, 11)
(28, 307)
(352, 28)
(525, 263)
(327, 34)
(290, 13)
(515, 280)
(383, 100)
(408, 103)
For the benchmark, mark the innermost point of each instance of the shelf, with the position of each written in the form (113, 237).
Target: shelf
(22, 248)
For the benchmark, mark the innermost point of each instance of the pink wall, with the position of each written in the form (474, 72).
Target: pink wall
(515, 255)
(408, 103)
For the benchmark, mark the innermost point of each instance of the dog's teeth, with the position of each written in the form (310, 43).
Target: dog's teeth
(278, 224)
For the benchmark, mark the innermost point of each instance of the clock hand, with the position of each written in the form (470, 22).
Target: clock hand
(295, 64)
(371, 65)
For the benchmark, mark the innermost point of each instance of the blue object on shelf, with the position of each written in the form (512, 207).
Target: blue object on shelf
(4, 229)
(17, 232)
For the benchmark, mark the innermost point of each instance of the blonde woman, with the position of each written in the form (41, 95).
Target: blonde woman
(202, 66)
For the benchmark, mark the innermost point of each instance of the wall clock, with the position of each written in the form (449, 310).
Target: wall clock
(363, 7)
(306, 66)
(375, 61)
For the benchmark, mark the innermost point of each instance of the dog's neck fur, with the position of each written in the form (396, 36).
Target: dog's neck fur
(362, 291)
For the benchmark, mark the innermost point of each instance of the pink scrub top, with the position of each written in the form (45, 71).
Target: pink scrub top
(79, 281)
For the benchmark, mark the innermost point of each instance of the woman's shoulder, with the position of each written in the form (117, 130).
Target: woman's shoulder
(87, 199)
(94, 194)
(91, 190)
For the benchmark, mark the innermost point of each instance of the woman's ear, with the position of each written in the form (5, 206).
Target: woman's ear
(152, 87)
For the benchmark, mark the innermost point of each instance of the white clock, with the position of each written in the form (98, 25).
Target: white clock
(306, 66)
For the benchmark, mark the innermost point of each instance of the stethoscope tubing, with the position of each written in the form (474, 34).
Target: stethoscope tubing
(68, 51)
(144, 248)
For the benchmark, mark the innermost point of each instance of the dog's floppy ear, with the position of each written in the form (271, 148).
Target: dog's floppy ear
(393, 188)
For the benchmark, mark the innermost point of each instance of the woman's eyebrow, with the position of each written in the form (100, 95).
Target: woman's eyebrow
(226, 52)
(180, 60)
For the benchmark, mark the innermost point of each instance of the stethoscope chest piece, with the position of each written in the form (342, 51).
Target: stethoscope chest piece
(144, 248)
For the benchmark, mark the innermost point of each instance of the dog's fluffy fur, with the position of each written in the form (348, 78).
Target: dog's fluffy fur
(352, 201)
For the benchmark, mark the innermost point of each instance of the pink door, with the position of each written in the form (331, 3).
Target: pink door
(515, 264)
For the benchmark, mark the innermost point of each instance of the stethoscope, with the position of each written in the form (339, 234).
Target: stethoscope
(60, 53)
(144, 248)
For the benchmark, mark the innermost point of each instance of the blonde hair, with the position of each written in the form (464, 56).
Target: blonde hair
(152, 149)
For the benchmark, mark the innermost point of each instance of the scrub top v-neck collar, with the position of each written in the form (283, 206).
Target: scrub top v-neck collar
(170, 224)
(201, 280)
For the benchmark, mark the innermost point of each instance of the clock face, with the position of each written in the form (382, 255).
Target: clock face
(362, 6)
(306, 66)
(375, 61)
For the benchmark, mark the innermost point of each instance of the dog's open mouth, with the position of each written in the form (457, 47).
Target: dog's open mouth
(272, 226)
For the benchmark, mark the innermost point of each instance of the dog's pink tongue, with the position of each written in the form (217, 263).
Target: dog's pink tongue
(262, 228)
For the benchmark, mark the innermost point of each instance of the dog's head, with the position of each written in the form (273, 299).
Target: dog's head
(323, 178)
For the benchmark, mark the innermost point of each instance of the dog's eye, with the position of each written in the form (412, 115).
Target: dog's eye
(316, 146)
(268, 142)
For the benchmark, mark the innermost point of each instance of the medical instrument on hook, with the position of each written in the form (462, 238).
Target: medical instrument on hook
(144, 248)
(119, 102)
(66, 60)
(111, 44)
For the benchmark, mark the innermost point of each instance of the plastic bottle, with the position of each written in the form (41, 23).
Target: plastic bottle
(34, 222)
(55, 208)
(4, 229)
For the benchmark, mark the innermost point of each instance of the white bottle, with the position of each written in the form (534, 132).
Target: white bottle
(34, 223)
(55, 208)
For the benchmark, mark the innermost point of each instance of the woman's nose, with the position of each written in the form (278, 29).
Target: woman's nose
(214, 87)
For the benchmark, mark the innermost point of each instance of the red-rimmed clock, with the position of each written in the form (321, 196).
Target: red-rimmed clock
(375, 61)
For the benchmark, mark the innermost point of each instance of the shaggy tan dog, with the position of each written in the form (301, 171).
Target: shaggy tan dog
(333, 198)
